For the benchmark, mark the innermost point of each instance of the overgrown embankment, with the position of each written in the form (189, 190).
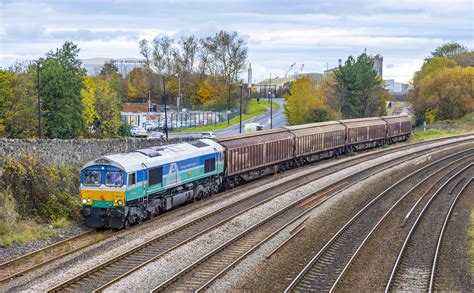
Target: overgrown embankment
(444, 128)
(39, 182)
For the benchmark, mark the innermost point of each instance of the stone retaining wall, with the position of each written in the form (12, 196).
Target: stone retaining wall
(75, 151)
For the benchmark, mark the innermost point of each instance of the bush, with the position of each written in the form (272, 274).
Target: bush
(42, 192)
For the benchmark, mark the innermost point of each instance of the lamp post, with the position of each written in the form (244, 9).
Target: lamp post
(271, 102)
(271, 108)
(228, 107)
(166, 113)
(241, 93)
(179, 91)
(40, 134)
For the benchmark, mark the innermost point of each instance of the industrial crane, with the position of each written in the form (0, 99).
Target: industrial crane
(291, 67)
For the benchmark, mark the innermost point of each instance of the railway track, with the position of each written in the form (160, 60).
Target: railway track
(40, 258)
(416, 263)
(394, 221)
(104, 275)
(462, 192)
(325, 269)
(23, 264)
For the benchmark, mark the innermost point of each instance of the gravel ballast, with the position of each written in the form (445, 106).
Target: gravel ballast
(162, 269)
(152, 274)
(276, 273)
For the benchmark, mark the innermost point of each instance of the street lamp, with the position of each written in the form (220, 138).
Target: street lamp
(40, 134)
(179, 91)
(271, 108)
(164, 102)
(228, 107)
(241, 90)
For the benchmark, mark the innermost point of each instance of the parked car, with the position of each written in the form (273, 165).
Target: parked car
(138, 131)
(151, 125)
(156, 135)
(208, 134)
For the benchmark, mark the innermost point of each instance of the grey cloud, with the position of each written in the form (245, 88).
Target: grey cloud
(89, 35)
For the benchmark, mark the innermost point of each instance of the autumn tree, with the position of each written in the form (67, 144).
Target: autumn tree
(191, 60)
(137, 84)
(447, 93)
(18, 106)
(110, 72)
(101, 108)
(61, 84)
(449, 50)
(435, 97)
(303, 102)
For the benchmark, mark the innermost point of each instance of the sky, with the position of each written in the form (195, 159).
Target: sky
(278, 33)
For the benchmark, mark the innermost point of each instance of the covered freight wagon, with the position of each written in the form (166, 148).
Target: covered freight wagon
(318, 140)
(398, 127)
(365, 132)
(252, 155)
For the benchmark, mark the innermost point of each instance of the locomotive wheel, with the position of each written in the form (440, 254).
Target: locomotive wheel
(199, 196)
(126, 224)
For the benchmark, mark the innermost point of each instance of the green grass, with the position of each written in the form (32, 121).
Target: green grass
(265, 102)
(445, 128)
(253, 109)
(61, 223)
(421, 135)
(24, 232)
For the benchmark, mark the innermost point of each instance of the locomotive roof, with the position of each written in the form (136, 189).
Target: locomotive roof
(158, 155)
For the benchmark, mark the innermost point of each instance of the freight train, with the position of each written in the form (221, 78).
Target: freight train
(122, 189)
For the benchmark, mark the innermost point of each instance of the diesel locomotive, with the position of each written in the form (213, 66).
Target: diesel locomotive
(122, 189)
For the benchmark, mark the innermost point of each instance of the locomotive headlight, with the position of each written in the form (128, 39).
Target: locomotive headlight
(84, 201)
(88, 200)
(119, 202)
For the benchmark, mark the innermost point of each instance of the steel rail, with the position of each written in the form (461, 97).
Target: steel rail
(305, 198)
(386, 215)
(100, 266)
(410, 233)
(438, 245)
(184, 226)
(37, 252)
(56, 244)
(356, 216)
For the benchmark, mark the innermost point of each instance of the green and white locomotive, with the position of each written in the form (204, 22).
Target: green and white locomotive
(122, 189)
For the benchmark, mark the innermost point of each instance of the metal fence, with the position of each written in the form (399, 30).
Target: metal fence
(179, 120)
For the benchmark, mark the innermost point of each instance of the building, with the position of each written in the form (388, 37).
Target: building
(396, 88)
(93, 66)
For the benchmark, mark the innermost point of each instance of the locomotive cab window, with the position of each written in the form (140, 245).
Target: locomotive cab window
(155, 176)
(210, 165)
(114, 178)
(132, 179)
(92, 178)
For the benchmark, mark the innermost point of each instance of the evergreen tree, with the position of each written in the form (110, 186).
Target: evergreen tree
(61, 84)
(359, 88)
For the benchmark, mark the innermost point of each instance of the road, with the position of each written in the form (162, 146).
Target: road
(279, 120)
